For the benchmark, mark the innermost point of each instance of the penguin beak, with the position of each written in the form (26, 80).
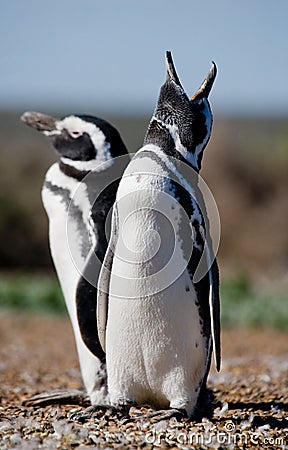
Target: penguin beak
(171, 73)
(39, 121)
(207, 84)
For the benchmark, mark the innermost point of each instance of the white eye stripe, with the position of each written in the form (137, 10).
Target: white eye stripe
(74, 124)
(173, 130)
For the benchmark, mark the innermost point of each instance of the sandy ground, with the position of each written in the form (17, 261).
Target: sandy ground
(38, 354)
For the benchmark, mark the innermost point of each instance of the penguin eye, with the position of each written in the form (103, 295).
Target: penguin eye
(75, 133)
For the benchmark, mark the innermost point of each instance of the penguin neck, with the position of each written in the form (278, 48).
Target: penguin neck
(167, 138)
(80, 169)
(72, 172)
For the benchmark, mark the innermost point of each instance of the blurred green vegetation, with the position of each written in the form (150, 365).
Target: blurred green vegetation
(242, 303)
(249, 305)
(31, 292)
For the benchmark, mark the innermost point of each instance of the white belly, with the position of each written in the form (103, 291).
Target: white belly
(155, 349)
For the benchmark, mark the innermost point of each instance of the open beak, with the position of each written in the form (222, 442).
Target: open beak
(207, 84)
(171, 73)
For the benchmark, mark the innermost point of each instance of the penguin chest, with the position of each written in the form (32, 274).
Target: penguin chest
(68, 234)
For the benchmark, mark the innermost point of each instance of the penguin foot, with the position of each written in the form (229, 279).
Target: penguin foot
(123, 406)
(157, 416)
(88, 413)
(59, 396)
(104, 411)
(109, 411)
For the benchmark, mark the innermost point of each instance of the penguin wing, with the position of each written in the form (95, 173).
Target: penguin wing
(86, 293)
(104, 280)
(214, 304)
(86, 300)
(207, 290)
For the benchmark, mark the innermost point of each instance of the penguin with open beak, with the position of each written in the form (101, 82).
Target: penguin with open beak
(158, 290)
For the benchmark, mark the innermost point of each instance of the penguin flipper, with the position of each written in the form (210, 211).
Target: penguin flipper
(214, 301)
(104, 281)
(86, 301)
(207, 289)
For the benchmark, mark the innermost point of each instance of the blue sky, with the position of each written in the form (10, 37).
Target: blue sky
(109, 55)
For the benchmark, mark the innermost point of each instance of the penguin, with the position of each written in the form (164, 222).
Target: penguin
(78, 193)
(158, 308)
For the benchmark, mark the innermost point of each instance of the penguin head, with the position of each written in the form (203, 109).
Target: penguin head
(79, 138)
(182, 122)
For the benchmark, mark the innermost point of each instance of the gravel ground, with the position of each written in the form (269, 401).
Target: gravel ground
(38, 354)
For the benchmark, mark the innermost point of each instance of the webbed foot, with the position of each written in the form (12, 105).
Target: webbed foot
(107, 411)
(89, 413)
(157, 416)
(58, 396)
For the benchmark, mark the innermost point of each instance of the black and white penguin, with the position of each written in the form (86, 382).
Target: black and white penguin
(92, 160)
(157, 320)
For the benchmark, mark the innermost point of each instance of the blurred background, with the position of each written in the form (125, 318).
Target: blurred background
(107, 59)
